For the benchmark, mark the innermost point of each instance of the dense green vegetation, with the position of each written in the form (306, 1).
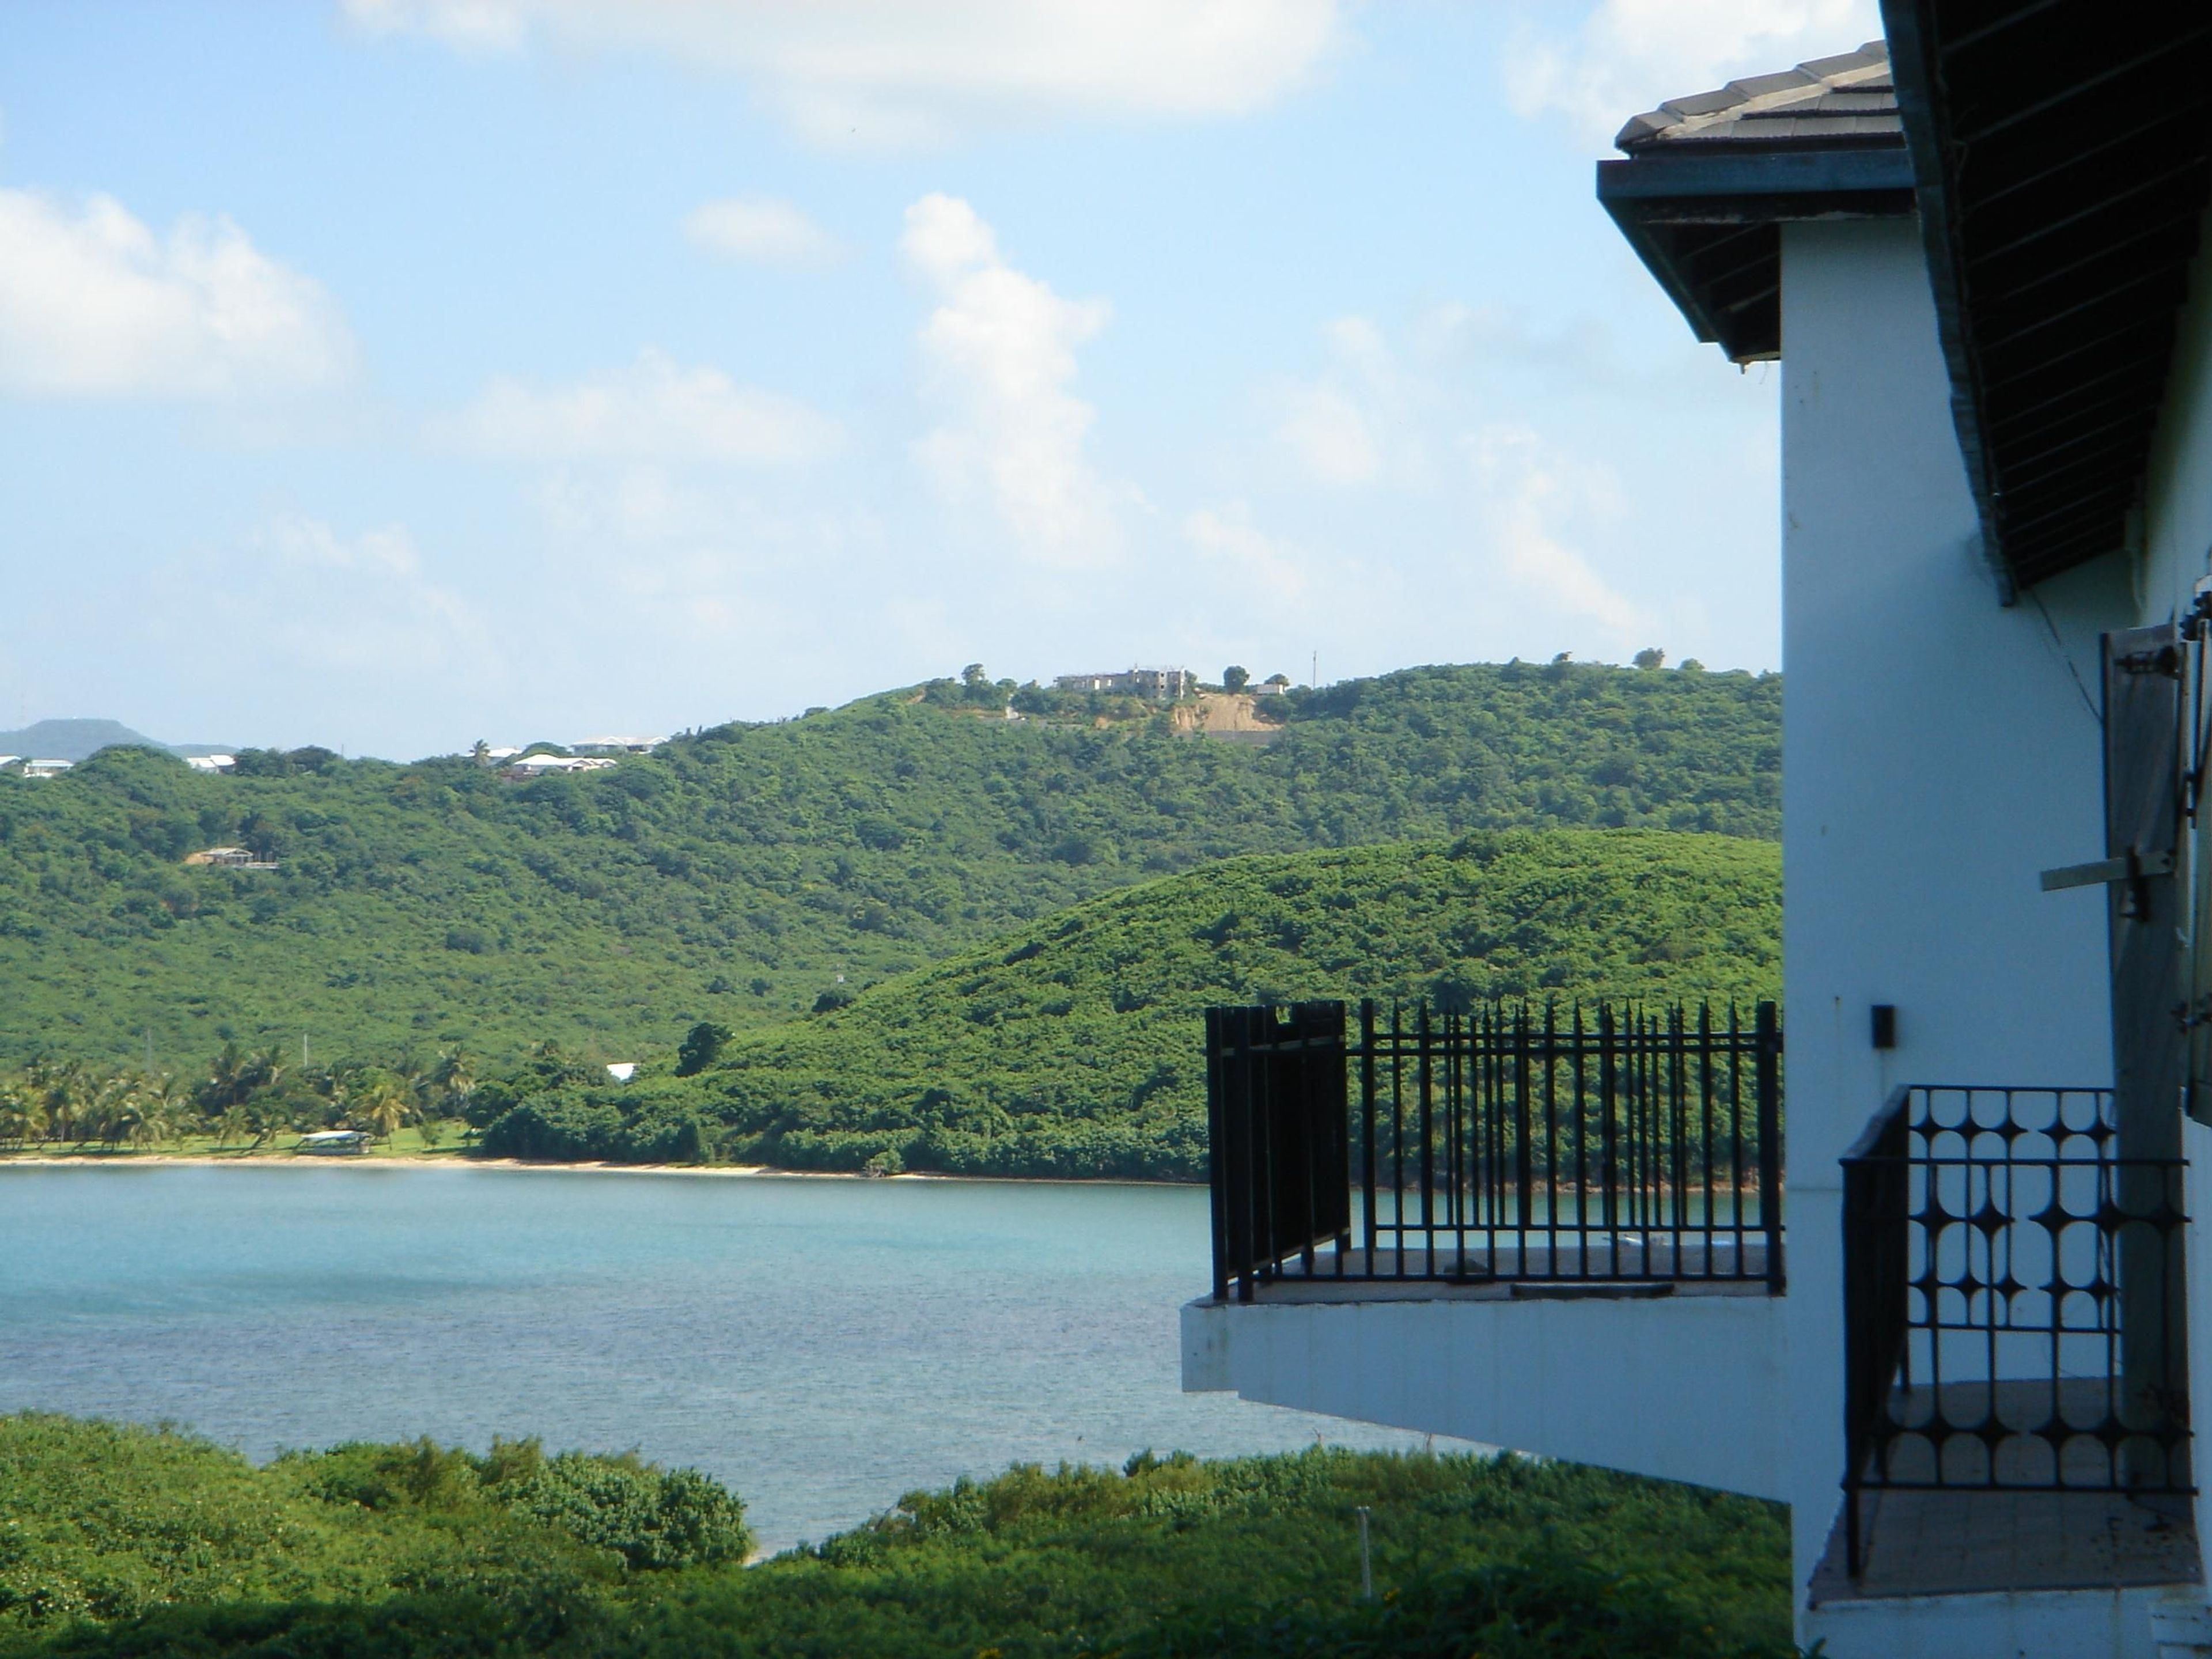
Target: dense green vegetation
(735, 875)
(103, 1523)
(1074, 1046)
(136, 1542)
(1071, 1046)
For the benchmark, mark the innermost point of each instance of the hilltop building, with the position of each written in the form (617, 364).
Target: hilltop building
(1967, 1344)
(1161, 684)
(229, 858)
(536, 766)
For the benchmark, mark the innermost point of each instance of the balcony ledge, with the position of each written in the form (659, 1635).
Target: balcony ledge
(1683, 1385)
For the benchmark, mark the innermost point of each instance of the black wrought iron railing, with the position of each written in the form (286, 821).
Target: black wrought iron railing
(1500, 1144)
(2012, 1302)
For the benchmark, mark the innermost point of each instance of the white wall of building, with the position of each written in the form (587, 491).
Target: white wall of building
(2112, 1624)
(1684, 1387)
(2177, 552)
(1938, 750)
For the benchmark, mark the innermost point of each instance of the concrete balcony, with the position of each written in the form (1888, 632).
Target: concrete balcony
(1679, 1379)
(1554, 1233)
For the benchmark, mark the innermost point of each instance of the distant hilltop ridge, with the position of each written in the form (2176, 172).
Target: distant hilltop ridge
(79, 739)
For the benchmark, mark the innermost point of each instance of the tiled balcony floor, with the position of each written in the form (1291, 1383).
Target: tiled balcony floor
(1955, 1543)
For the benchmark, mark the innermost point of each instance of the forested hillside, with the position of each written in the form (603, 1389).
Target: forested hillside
(1074, 1046)
(747, 873)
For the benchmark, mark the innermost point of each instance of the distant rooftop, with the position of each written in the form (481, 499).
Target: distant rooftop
(1846, 99)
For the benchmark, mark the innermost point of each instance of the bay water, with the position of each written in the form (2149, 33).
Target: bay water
(823, 1346)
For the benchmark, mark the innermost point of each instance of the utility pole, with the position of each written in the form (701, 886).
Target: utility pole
(149, 1048)
(303, 1051)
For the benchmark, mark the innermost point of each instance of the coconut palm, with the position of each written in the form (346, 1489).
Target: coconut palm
(452, 1080)
(269, 1113)
(234, 1126)
(60, 1089)
(382, 1106)
(22, 1113)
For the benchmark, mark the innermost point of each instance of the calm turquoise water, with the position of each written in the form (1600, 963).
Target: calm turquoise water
(821, 1345)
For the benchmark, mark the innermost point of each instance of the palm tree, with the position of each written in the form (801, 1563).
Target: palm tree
(143, 1116)
(382, 1107)
(234, 1125)
(226, 1083)
(58, 1087)
(22, 1113)
(454, 1079)
(111, 1109)
(269, 1113)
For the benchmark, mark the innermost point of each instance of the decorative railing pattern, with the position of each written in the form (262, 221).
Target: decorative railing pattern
(2012, 1301)
(1500, 1144)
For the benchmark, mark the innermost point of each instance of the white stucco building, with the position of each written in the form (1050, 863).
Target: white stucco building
(1977, 254)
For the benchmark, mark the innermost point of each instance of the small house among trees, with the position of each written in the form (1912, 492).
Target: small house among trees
(230, 858)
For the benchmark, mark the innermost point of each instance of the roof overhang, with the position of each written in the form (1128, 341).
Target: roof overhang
(1706, 222)
(2062, 153)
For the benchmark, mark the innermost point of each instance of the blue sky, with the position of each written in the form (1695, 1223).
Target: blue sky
(391, 373)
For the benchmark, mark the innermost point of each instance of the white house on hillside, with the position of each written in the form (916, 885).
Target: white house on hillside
(1977, 251)
(538, 766)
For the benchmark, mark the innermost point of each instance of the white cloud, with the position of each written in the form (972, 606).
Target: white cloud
(361, 606)
(761, 230)
(93, 304)
(1363, 419)
(999, 357)
(890, 72)
(1531, 494)
(653, 410)
(1252, 559)
(1330, 433)
(1630, 55)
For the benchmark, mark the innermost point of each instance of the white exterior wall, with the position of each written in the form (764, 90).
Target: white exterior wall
(2177, 553)
(1938, 753)
(1685, 1388)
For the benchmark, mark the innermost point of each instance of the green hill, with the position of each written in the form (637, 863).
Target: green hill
(1072, 1047)
(736, 875)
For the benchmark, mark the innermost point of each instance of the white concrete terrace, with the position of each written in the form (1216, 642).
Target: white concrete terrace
(1679, 1379)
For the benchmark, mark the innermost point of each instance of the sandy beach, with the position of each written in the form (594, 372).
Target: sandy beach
(456, 1160)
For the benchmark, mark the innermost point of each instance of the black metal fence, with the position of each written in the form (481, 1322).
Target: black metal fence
(2012, 1301)
(1502, 1145)
(1275, 1127)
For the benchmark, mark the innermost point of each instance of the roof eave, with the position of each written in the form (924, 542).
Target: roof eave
(1912, 51)
(1735, 183)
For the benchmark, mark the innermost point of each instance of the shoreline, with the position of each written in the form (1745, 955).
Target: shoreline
(460, 1161)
